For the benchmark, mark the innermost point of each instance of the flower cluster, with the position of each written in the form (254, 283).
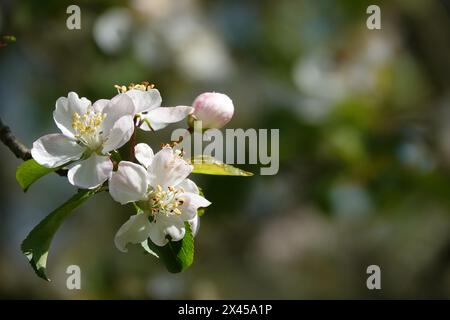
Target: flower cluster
(158, 184)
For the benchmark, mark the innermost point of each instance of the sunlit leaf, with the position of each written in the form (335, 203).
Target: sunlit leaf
(209, 165)
(29, 171)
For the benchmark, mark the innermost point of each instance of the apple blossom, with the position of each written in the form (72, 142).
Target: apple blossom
(212, 108)
(89, 134)
(159, 186)
(147, 102)
(89, 149)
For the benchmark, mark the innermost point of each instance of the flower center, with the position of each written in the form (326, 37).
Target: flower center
(143, 86)
(87, 127)
(165, 201)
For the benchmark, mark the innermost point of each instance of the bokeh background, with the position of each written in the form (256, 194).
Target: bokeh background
(364, 125)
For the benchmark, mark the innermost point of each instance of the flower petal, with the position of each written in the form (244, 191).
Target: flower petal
(168, 169)
(157, 235)
(120, 133)
(191, 203)
(163, 226)
(64, 110)
(195, 224)
(129, 183)
(176, 231)
(54, 150)
(188, 186)
(135, 230)
(160, 117)
(99, 105)
(90, 173)
(145, 246)
(144, 154)
(144, 100)
(119, 106)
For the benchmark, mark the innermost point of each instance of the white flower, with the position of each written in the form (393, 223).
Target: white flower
(147, 102)
(161, 189)
(214, 109)
(89, 134)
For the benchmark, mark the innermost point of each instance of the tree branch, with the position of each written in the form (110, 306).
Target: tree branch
(9, 140)
(17, 147)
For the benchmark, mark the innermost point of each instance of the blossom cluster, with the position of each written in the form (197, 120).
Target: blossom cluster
(157, 183)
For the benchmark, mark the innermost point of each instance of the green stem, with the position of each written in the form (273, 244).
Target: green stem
(132, 145)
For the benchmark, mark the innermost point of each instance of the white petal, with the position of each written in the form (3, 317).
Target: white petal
(148, 125)
(170, 114)
(90, 173)
(191, 203)
(145, 100)
(144, 154)
(176, 231)
(146, 247)
(163, 226)
(195, 224)
(157, 235)
(54, 150)
(168, 169)
(160, 117)
(119, 106)
(64, 110)
(188, 186)
(120, 133)
(129, 183)
(99, 105)
(135, 230)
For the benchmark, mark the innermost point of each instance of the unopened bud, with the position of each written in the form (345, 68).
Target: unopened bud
(214, 110)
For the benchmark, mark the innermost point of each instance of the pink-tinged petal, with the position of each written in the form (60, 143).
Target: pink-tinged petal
(119, 134)
(160, 117)
(129, 183)
(168, 169)
(90, 173)
(54, 150)
(191, 203)
(65, 109)
(213, 109)
(144, 100)
(144, 154)
(135, 230)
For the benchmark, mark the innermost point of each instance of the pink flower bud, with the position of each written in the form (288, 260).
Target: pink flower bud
(214, 109)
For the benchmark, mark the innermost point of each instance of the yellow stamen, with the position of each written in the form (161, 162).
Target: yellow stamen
(143, 86)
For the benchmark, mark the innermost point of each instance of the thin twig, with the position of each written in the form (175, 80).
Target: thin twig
(17, 147)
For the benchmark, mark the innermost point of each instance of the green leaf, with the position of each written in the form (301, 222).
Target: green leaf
(29, 171)
(36, 245)
(209, 165)
(176, 255)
